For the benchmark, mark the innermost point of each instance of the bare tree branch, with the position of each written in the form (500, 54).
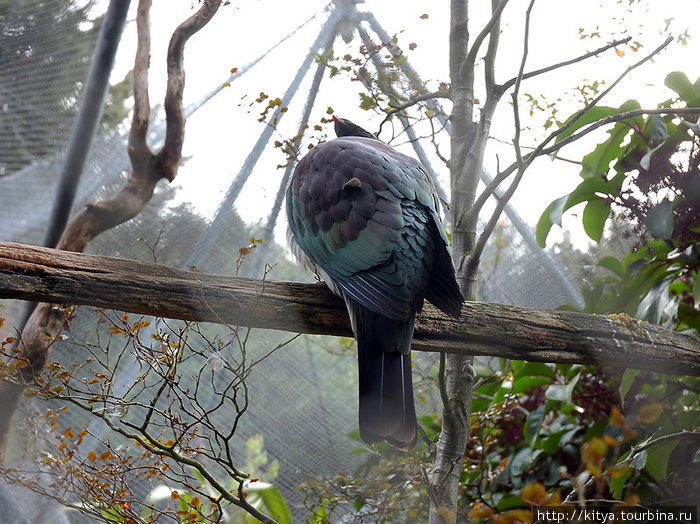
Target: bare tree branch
(525, 76)
(495, 20)
(475, 256)
(685, 111)
(147, 170)
(539, 150)
(413, 101)
(502, 175)
(169, 156)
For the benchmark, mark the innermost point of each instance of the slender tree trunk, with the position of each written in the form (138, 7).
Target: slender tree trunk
(457, 387)
(468, 143)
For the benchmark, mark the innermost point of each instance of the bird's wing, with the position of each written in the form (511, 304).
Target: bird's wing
(358, 209)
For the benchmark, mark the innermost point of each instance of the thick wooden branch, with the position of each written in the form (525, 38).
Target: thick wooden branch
(147, 169)
(36, 273)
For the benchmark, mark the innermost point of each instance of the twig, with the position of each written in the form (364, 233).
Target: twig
(617, 118)
(495, 19)
(505, 86)
(671, 436)
(441, 383)
(486, 233)
(490, 59)
(413, 101)
(540, 149)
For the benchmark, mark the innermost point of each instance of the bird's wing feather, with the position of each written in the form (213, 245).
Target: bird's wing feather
(353, 202)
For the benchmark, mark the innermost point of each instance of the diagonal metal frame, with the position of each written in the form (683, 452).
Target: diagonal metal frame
(209, 238)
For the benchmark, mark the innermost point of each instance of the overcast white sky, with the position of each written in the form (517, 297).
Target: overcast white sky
(220, 135)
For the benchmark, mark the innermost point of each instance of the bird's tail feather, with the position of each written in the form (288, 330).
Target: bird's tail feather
(387, 411)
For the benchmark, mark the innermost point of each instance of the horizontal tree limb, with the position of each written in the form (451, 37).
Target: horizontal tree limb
(43, 274)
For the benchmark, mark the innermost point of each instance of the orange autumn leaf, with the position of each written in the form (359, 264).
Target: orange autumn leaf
(620, 52)
(616, 417)
(609, 440)
(514, 516)
(480, 511)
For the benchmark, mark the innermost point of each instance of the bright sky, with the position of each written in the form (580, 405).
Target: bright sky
(220, 135)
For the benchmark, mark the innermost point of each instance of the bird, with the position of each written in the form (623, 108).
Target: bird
(365, 218)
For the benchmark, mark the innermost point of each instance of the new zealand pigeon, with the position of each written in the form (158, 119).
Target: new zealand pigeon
(365, 218)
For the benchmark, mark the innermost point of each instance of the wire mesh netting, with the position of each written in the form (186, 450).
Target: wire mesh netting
(302, 395)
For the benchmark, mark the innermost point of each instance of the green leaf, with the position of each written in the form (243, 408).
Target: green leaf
(551, 444)
(320, 516)
(680, 83)
(586, 190)
(525, 383)
(657, 462)
(273, 501)
(640, 460)
(535, 369)
(592, 115)
(533, 424)
(597, 163)
(627, 380)
(523, 459)
(659, 220)
(613, 264)
(617, 484)
(595, 215)
(657, 128)
(545, 223)
(696, 289)
(509, 502)
(562, 392)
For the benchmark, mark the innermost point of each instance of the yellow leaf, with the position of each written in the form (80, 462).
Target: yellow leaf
(649, 413)
(534, 493)
(617, 470)
(92, 456)
(620, 52)
(514, 516)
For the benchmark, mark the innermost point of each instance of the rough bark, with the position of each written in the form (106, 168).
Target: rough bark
(456, 370)
(37, 273)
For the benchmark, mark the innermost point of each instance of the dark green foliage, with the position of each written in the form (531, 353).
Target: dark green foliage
(542, 434)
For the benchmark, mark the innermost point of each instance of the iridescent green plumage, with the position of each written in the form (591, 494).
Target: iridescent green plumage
(366, 217)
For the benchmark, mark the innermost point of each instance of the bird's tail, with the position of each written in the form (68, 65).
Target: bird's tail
(387, 412)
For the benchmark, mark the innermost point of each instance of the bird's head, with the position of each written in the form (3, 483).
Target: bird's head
(343, 127)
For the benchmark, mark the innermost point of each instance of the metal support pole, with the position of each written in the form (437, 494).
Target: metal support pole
(84, 126)
(88, 117)
(208, 239)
